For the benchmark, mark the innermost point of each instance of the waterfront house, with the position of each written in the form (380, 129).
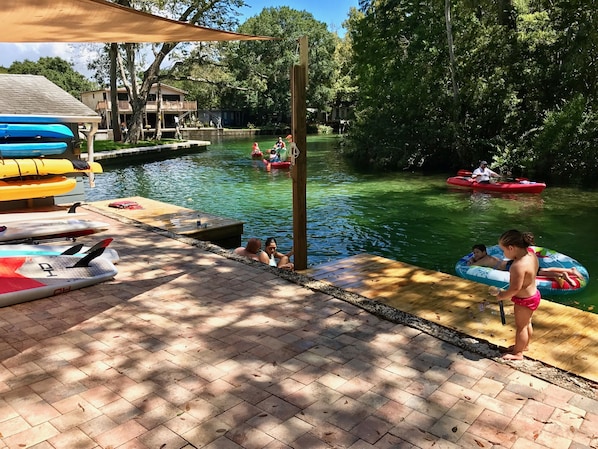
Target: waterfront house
(172, 104)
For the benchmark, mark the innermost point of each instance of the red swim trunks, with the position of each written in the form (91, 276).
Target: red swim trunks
(531, 303)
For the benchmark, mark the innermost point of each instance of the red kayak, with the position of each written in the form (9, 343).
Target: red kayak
(281, 165)
(517, 186)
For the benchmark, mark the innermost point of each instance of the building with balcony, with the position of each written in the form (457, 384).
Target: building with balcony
(172, 104)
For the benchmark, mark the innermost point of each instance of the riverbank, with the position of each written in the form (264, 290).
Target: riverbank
(190, 346)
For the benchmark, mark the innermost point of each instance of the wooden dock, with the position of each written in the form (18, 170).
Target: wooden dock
(154, 150)
(221, 231)
(564, 337)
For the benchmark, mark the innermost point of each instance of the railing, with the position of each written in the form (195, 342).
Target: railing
(152, 106)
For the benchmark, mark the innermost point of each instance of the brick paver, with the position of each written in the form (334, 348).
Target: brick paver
(188, 349)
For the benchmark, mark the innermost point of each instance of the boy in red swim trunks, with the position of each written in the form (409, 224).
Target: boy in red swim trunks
(522, 287)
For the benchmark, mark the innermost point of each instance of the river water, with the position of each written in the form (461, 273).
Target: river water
(410, 217)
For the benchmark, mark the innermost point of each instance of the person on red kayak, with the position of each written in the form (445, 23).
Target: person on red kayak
(482, 174)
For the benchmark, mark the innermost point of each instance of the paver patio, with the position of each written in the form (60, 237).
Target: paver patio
(188, 349)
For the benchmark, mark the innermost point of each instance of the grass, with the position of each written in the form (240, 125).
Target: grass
(109, 145)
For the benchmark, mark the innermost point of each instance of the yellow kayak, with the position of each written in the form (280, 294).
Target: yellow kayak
(22, 189)
(11, 168)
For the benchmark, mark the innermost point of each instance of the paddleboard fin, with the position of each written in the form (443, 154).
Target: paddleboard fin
(84, 261)
(72, 250)
(73, 208)
(102, 244)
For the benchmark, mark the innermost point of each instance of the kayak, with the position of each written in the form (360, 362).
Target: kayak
(546, 257)
(522, 186)
(22, 189)
(279, 165)
(34, 131)
(12, 168)
(32, 149)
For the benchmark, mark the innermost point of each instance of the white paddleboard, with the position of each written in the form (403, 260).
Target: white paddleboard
(22, 249)
(34, 277)
(49, 229)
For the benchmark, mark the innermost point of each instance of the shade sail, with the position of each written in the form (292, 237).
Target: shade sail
(97, 21)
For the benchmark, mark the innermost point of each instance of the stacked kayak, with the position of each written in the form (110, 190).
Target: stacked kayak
(25, 171)
(547, 258)
(10, 168)
(519, 185)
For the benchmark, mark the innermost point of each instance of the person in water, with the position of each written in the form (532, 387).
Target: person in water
(483, 259)
(279, 145)
(274, 157)
(252, 250)
(272, 257)
(255, 151)
(522, 287)
(560, 274)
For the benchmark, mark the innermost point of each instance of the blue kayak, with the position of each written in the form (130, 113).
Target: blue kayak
(34, 131)
(31, 149)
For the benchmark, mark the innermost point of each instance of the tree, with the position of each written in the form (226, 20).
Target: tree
(405, 97)
(262, 68)
(212, 13)
(525, 72)
(57, 70)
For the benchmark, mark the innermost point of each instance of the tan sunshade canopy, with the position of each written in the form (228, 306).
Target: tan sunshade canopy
(97, 21)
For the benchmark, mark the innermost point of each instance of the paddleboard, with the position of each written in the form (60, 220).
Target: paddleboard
(34, 131)
(11, 168)
(78, 250)
(34, 277)
(22, 189)
(32, 149)
(23, 231)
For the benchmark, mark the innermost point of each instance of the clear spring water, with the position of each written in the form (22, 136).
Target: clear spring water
(409, 217)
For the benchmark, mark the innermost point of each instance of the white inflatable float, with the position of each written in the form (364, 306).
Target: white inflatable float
(546, 257)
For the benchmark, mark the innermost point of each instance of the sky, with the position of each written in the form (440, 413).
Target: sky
(332, 12)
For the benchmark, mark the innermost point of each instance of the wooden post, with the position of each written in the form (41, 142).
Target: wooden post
(299, 169)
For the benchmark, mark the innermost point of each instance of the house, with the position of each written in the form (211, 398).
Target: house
(173, 104)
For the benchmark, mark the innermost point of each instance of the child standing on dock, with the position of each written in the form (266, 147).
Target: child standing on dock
(522, 287)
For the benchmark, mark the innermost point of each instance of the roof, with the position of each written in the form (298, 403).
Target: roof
(97, 21)
(35, 95)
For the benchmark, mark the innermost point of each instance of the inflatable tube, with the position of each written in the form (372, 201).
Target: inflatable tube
(546, 257)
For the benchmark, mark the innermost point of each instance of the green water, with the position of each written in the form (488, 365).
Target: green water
(409, 217)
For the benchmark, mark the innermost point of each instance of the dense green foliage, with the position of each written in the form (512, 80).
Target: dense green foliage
(525, 93)
(262, 68)
(57, 70)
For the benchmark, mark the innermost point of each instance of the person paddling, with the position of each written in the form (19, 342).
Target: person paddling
(483, 174)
